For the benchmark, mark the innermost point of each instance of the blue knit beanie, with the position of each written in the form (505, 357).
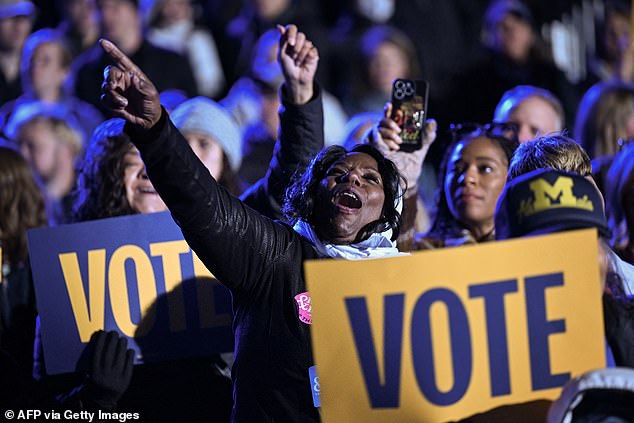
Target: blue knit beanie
(205, 116)
(11, 8)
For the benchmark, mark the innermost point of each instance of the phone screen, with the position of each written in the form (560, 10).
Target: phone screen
(409, 111)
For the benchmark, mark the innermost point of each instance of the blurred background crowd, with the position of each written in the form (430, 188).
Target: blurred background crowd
(471, 52)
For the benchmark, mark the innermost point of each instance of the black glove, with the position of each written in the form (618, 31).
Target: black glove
(111, 370)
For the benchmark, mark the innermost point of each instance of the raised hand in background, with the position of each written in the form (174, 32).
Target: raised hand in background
(386, 137)
(298, 58)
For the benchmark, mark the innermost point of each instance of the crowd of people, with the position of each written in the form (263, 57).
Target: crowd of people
(127, 107)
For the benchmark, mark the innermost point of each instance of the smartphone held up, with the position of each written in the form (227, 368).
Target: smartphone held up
(409, 111)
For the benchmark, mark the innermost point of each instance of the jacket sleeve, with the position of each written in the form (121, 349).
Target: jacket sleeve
(301, 137)
(235, 242)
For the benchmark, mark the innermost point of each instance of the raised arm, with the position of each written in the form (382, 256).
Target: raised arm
(301, 134)
(236, 243)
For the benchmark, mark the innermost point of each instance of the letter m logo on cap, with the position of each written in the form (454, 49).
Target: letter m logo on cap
(547, 196)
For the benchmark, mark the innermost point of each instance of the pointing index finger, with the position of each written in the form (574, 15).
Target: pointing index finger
(122, 61)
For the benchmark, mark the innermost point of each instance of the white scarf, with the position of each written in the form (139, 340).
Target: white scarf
(377, 246)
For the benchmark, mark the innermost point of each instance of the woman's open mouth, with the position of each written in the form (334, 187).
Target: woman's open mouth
(348, 201)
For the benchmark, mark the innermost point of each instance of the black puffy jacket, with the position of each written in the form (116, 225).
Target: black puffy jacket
(258, 259)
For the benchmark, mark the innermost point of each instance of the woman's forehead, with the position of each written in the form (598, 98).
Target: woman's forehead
(479, 146)
(358, 159)
(197, 135)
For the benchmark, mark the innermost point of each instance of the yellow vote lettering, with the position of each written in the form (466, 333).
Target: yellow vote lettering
(88, 305)
(146, 284)
(90, 319)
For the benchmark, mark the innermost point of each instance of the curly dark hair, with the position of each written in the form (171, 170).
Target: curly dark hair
(100, 189)
(445, 223)
(22, 205)
(301, 195)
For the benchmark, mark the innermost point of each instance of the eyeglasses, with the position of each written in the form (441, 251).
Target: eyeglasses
(507, 131)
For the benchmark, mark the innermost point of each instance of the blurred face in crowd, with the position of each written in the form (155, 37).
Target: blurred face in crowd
(140, 193)
(270, 9)
(119, 18)
(617, 35)
(514, 38)
(174, 11)
(13, 33)
(43, 150)
(476, 174)
(208, 151)
(388, 63)
(534, 116)
(268, 90)
(47, 70)
(82, 14)
(350, 196)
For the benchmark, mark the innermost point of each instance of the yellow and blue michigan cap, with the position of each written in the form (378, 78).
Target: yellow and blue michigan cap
(546, 201)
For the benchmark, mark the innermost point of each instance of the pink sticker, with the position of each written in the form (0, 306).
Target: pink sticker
(305, 309)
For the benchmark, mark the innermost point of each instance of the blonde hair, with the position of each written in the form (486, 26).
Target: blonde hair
(612, 115)
(551, 151)
(62, 130)
(602, 117)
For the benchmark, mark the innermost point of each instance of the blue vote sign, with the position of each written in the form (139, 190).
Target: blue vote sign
(133, 274)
